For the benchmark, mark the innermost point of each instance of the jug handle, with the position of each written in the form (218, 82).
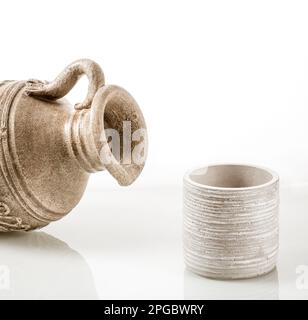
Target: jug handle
(66, 80)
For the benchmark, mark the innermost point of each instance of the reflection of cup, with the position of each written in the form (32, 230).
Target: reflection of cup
(39, 266)
(260, 288)
(231, 221)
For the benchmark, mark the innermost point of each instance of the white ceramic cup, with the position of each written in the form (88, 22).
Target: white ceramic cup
(231, 221)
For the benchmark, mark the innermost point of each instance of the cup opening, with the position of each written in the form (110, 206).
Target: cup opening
(231, 176)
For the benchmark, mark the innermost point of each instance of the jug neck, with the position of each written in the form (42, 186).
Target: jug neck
(98, 137)
(81, 142)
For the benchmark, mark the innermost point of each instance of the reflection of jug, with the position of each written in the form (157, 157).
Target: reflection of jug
(48, 149)
(44, 268)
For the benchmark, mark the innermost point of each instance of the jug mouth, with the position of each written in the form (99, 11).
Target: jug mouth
(117, 133)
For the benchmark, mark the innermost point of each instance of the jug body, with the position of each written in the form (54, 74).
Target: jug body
(48, 148)
(40, 181)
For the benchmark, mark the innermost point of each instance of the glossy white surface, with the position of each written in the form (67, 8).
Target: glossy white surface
(126, 244)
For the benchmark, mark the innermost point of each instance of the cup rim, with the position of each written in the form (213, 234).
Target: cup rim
(275, 177)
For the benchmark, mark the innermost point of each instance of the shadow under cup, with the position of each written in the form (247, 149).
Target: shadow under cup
(231, 221)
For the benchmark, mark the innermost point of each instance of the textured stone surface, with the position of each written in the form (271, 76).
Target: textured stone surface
(231, 232)
(48, 149)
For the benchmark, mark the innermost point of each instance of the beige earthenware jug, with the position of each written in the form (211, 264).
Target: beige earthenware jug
(49, 148)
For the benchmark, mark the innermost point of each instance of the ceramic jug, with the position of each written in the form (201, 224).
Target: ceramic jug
(49, 148)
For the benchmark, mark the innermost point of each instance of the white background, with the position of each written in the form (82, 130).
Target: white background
(222, 81)
(218, 81)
